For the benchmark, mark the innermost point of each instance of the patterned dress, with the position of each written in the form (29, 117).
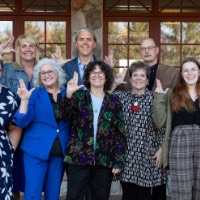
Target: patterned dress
(8, 106)
(143, 140)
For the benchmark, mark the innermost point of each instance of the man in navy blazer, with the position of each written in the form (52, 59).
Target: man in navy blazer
(85, 43)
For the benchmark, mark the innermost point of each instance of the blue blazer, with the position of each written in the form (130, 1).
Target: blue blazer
(41, 126)
(71, 67)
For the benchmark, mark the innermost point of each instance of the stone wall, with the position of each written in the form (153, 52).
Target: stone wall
(87, 13)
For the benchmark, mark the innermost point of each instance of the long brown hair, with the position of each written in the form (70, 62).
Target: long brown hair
(180, 97)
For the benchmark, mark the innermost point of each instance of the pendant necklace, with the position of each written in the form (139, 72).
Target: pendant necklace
(135, 107)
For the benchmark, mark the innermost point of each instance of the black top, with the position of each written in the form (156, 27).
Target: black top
(152, 76)
(183, 117)
(56, 149)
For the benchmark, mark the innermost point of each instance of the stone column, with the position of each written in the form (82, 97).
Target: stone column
(87, 13)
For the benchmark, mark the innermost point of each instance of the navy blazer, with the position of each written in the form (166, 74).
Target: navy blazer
(41, 126)
(71, 67)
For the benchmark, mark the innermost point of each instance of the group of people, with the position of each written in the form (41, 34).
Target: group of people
(137, 125)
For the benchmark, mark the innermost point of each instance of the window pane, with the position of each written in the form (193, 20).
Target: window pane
(134, 53)
(170, 55)
(190, 30)
(6, 31)
(189, 6)
(191, 51)
(36, 29)
(131, 6)
(7, 6)
(170, 32)
(120, 53)
(45, 6)
(138, 31)
(117, 32)
(170, 6)
(56, 32)
(51, 48)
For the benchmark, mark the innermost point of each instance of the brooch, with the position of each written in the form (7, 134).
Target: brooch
(135, 107)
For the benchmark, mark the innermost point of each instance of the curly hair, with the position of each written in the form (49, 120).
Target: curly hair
(106, 69)
(180, 98)
(139, 65)
(60, 72)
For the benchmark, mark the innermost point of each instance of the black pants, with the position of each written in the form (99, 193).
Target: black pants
(134, 192)
(98, 178)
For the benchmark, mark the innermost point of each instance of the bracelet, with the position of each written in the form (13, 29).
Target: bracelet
(1, 58)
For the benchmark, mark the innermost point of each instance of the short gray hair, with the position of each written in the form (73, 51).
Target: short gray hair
(36, 74)
(86, 30)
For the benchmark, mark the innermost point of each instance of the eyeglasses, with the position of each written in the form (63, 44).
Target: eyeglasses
(100, 74)
(48, 73)
(149, 48)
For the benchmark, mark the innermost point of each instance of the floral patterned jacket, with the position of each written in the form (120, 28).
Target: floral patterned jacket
(111, 141)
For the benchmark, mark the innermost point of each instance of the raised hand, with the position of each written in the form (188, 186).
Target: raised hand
(7, 46)
(109, 58)
(159, 88)
(22, 91)
(119, 77)
(72, 85)
(57, 56)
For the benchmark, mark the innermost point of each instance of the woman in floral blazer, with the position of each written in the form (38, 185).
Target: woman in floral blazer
(96, 148)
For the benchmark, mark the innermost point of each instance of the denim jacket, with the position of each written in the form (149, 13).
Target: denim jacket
(11, 75)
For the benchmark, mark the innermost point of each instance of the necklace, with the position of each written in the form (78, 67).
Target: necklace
(135, 107)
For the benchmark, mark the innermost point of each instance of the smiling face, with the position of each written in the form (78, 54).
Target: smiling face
(190, 73)
(27, 50)
(139, 81)
(97, 78)
(149, 51)
(49, 76)
(85, 44)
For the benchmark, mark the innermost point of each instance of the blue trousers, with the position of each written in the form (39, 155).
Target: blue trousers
(42, 175)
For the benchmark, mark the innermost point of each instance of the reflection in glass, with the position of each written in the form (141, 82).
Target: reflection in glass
(134, 53)
(170, 32)
(138, 31)
(130, 6)
(191, 51)
(117, 32)
(35, 29)
(190, 30)
(170, 55)
(56, 32)
(6, 31)
(7, 6)
(191, 6)
(120, 54)
(45, 6)
(170, 6)
(51, 48)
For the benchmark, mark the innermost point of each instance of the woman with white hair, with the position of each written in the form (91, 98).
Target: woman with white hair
(46, 137)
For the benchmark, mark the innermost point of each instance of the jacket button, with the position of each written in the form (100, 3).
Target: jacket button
(57, 130)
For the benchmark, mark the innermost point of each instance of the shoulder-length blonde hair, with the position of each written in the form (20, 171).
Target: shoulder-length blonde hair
(29, 39)
(180, 98)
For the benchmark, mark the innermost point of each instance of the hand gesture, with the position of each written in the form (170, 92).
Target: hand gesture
(22, 91)
(158, 157)
(109, 58)
(57, 56)
(159, 88)
(6, 47)
(72, 85)
(119, 77)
